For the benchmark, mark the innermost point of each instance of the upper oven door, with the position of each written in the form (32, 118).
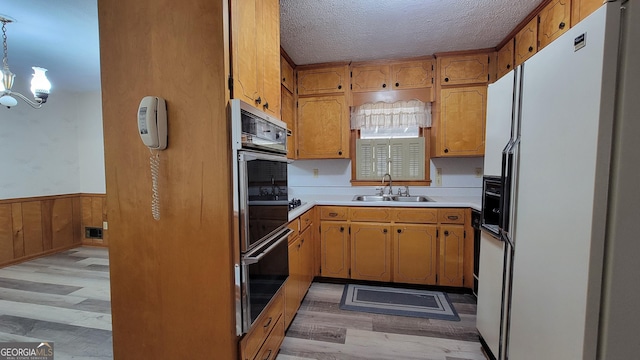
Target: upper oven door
(264, 204)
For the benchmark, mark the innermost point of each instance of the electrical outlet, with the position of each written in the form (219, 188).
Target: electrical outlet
(478, 172)
(315, 173)
(438, 176)
(105, 225)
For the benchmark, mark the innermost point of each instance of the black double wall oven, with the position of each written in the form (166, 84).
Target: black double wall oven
(261, 210)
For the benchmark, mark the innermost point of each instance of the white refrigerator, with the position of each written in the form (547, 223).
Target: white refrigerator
(544, 288)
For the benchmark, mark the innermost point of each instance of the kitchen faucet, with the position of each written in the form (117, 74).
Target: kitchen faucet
(390, 183)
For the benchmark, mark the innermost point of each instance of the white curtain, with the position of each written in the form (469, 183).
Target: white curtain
(401, 114)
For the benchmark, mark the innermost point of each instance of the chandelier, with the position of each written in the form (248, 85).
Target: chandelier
(40, 85)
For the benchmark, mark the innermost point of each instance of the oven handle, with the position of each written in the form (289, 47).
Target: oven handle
(249, 258)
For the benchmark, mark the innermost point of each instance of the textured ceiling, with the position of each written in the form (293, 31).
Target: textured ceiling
(62, 35)
(316, 31)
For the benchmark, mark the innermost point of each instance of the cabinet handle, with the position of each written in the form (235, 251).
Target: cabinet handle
(452, 217)
(268, 355)
(384, 231)
(268, 323)
(266, 105)
(301, 241)
(397, 84)
(399, 231)
(508, 66)
(284, 79)
(333, 214)
(446, 150)
(446, 79)
(384, 85)
(446, 233)
(340, 152)
(341, 229)
(562, 25)
(258, 100)
(339, 87)
(530, 48)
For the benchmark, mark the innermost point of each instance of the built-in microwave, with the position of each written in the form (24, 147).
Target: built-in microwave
(491, 195)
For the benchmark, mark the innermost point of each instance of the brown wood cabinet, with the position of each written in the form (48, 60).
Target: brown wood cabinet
(392, 75)
(334, 248)
(255, 43)
(268, 330)
(301, 257)
(580, 9)
(323, 127)
(370, 251)
(461, 125)
(291, 286)
(526, 42)
(505, 58)
(451, 255)
(415, 254)
(554, 20)
(286, 73)
(289, 117)
(369, 77)
(322, 80)
(464, 69)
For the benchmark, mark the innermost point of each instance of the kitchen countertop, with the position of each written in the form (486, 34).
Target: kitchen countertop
(310, 201)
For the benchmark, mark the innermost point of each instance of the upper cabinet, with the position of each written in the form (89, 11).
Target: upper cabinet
(323, 80)
(554, 20)
(464, 69)
(369, 77)
(505, 59)
(412, 74)
(461, 125)
(286, 71)
(580, 9)
(526, 42)
(255, 43)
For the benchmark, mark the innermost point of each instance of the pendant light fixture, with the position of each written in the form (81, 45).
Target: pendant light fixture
(40, 85)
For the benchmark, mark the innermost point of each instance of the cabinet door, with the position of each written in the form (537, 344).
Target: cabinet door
(288, 116)
(370, 251)
(462, 121)
(369, 77)
(306, 263)
(334, 249)
(323, 128)
(580, 9)
(505, 58)
(554, 21)
(451, 255)
(270, 57)
(526, 42)
(414, 254)
(291, 287)
(245, 50)
(286, 73)
(464, 69)
(323, 80)
(412, 74)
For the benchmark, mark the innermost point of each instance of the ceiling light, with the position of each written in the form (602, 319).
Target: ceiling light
(40, 85)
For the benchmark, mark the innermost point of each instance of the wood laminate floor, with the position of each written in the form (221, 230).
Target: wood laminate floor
(64, 298)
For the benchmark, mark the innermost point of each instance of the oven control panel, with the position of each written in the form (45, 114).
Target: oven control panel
(261, 133)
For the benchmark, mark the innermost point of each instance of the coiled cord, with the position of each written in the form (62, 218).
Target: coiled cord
(154, 160)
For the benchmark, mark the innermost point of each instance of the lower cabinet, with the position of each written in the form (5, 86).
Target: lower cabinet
(395, 250)
(266, 334)
(371, 252)
(415, 254)
(300, 270)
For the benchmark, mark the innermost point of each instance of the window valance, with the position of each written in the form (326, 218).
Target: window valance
(398, 115)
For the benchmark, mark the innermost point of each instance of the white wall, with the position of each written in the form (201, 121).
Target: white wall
(458, 177)
(39, 149)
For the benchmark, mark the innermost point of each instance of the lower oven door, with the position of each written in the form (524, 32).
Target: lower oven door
(264, 270)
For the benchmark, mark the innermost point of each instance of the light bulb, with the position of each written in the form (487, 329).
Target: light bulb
(8, 101)
(40, 85)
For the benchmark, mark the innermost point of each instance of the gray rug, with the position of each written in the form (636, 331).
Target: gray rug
(396, 301)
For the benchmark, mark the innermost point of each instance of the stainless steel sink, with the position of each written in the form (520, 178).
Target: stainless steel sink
(372, 198)
(397, 198)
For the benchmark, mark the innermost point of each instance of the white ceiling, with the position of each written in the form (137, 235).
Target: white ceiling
(62, 35)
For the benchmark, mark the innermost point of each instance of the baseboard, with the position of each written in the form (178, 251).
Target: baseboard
(39, 255)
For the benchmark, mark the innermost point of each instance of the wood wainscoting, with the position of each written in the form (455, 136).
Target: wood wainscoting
(36, 226)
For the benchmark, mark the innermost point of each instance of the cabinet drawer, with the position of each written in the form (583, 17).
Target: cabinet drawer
(420, 216)
(305, 220)
(271, 347)
(333, 213)
(262, 327)
(294, 225)
(369, 214)
(451, 216)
